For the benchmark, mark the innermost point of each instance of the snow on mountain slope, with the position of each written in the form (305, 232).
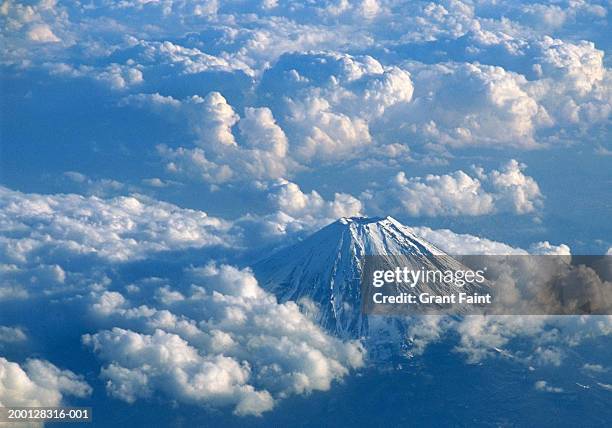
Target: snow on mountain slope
(325, 269)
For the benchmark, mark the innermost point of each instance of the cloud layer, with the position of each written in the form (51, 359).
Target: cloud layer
(223, 341)
(112, 229)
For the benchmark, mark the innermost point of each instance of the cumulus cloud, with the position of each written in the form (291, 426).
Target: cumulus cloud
(32, 28)
(43, 34)
(456, 194)
(11, 334)
(544, 386)
(327, 134)
(221, 341)
(550, 281)
(190, 59)
(577, 290)
(98, 187)
(574, 86)
(116, 76)
(261, 131)
(115, 229)
(545, 339)
(546, 247)
(219, 156)
(311, 207)
(458, 243)
(505, 190)
(217, 118)
(594, 368)
(296, 213)
(221, 320)
(482, 337)
(461, 244)
(46, 237)
(467, 104)
(38, 383)
(24, 276)
(515, 191)
(144, 363)
(329, 101)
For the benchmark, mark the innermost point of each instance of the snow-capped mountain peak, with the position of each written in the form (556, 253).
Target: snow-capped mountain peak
(325, 269)
(385, 236)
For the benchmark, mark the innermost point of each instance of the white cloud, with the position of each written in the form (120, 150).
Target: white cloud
(328, 101)
(548, 356)
(144, 363)
(11, 334)
(224, 342)
(38, 383)
(481, 336)
(546, 247)
(116, 76)
(194, 164)
(155, 182)
(325, 104)
(289, 198)
(219, 157)
(505, 190)
(221, 311)
(192, 60)
(467, 104)
(118, 229)
(261, 131)
(579, 65)
(326, 134)
(456, 243)
(32, 30)
(594, 368)
(605, 386)
(548, 337)
(108, 302)
(44, 235)
(544, 386)
(461, 244)
(11, 291)
(42, 33)
(98, 187)
(572, 84)
(424, 331)
(216, 119)
(155, 100)
(514, 191)
(296, 213)
(575, 86)
(434, 195)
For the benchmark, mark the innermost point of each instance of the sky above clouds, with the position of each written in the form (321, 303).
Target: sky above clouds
(152, 150)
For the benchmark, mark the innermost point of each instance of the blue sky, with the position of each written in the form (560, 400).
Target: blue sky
(179, 133)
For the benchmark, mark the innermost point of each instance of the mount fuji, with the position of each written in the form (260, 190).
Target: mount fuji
(323, 272)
